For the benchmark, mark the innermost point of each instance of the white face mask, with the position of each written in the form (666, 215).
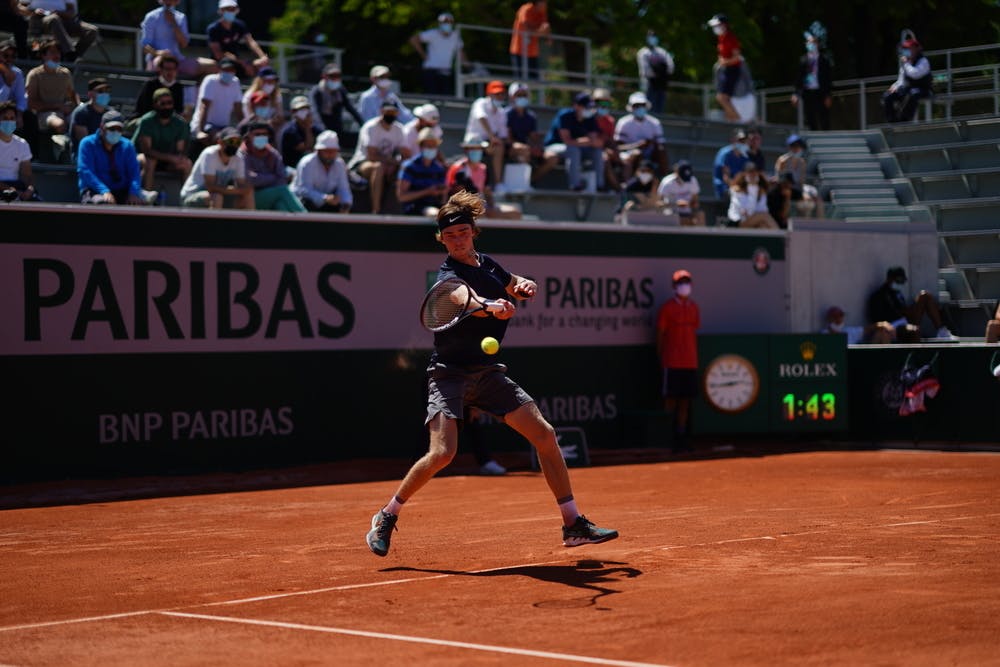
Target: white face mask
(383, 84)
(268, 88)
(718, 29)
(684, 289)
(302, 114)
(644, 177)
(898, 286)
(836, 327)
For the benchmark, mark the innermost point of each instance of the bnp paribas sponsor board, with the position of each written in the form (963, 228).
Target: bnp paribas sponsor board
(178, 342)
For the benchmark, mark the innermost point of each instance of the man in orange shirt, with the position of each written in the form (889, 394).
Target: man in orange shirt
(729, 65)
(677, 347)
(531, 17)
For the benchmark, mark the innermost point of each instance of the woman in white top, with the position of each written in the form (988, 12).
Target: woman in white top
(748, 200)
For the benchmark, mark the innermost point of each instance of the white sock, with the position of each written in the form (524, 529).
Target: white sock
(394, 506)
(567, 506)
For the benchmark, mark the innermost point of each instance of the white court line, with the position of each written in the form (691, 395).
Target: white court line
(568, 657)
(87, 619)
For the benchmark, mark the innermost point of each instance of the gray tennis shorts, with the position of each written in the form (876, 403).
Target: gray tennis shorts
(451, 389)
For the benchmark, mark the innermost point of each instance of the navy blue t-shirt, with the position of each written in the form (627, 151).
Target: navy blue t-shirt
(521, 126)
(567, 120)
(421, 175)
(460, 345)
(229, 38)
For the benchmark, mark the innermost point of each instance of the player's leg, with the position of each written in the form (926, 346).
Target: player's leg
(577, 529)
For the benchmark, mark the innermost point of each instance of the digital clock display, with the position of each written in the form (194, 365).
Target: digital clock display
(814, 407)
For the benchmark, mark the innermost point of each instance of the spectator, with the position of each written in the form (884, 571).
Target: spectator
(613, 165)
(86, 118)
(51, 97)
(530, 21)
(677, 324)
(15, 157)
(443, 44)
(12, 80)
(639, 193)
(166, 77)
(420, 188)
(639, 136)
(425, 116)
(108, 167)
(880, 333)
(162, 139)
(656, 66)
(729, 65)
(526, 145)
(61, 19)
(298, 137)
(258, 104)
(469, 173)
(813, 85)
(321, 182)
(728, 162)
(679, 191)
(889, 304)
(330, 100)
(779, 200)
(913, 84)
(266, 172)
(14, 19)
(748, 200)
(218, 177)
(165, 31)
(380, 150)
(488, 122)
(371, 100)
(806, 198)
(993, 330)
(228, 36)
(754, 151)
(575, 136)
(270, 108)
(219, 103)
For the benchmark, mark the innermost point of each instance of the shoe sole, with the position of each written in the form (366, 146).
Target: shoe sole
(580, 541)
(372, 535)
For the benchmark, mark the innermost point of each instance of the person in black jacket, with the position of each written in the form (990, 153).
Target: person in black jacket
(329, 100)
(889, 304)
(812, 87)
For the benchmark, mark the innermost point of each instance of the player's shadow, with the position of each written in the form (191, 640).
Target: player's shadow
(593, 577)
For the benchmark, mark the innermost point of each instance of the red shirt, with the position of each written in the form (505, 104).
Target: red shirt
(529, 18)
(676, 327)
(728, 44)
(606, 125)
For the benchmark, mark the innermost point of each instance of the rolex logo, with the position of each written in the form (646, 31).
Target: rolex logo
(807, 350)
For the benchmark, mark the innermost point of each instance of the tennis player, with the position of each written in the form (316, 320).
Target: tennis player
(461, 375)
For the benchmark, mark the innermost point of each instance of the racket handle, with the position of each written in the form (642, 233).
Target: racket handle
(493, 306)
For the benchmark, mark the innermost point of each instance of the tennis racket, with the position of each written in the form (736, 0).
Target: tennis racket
(449, 302)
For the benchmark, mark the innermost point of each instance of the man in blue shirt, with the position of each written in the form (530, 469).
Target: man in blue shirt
(228, 36)
(729, 161)
(421, 183)
(108, 168)
(165, 30)
(575, 135)
(523, 135)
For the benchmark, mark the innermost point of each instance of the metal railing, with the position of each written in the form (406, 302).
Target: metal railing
(968, 89)
(122, 46)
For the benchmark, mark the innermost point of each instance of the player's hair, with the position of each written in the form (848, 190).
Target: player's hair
(464, 204)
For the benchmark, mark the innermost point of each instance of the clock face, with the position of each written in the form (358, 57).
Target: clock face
(731, 383)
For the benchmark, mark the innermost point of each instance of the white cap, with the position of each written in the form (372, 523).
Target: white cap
(637, 98)
(228, 3)
(299, 102)
(378, 71)
(327, 139)
(427, 112)
(517, 87)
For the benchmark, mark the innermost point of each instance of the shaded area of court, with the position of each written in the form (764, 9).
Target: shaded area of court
(807, 558)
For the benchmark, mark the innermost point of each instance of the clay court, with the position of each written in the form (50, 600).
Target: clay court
(822, 558)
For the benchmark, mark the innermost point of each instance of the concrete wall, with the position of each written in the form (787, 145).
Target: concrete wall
(831, 262)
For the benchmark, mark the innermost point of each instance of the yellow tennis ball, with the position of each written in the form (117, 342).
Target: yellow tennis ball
(490, 345)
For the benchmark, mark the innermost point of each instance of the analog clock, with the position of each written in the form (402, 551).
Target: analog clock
(731, 383)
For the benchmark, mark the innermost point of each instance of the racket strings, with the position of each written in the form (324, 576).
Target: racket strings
(444, 305)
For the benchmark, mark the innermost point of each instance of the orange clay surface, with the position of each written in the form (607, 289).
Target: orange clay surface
(827, 558)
